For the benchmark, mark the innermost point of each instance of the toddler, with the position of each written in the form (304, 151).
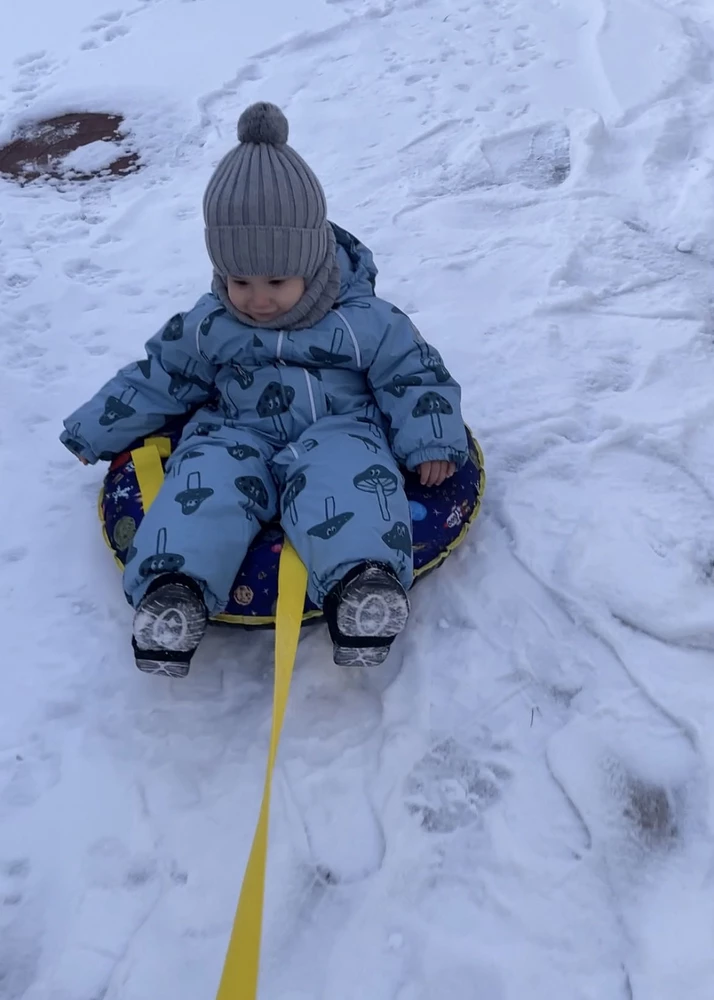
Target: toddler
(305, 394)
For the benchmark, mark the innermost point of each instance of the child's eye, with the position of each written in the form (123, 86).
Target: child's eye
(276, 282)
(239, 282)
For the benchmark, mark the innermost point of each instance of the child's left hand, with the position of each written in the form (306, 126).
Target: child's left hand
(434, 473)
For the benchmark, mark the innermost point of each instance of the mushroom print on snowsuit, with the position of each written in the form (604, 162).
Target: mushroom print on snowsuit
(186, 457)
(399, 538)
(173, 329)
(160, 561)
(194, 495)
(312, 426)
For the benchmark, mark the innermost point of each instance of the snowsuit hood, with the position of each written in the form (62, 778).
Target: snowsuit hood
(358, 271)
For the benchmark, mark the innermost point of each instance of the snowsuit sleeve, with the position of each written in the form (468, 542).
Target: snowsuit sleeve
(172, 379)
(417, 395)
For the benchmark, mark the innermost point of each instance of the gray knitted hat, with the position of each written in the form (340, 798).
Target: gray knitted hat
(265, 214)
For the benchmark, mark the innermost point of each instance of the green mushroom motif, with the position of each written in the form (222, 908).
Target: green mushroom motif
(182, 382)
(204, 327)
(367, 442)
(331, 358)
(173, 329)
(243, 377)
(432, 362)
(333, 522)
(274, 401)
(206, 427)
(293, 488)
(379, 480)
(162, 561)
(253, 489)
(241, 452)
(194, 495)
(73, 442)
(371, 418)
(399, 539)
(400, 384)
(431, 404)
(118, 408)
(186, 456)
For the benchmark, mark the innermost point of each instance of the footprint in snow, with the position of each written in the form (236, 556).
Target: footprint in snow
(20, 928)
(124, 884)
(610, 373)
(104, 20)
(33, 74)
(452, 785)
(30, 58)
(13, 875)
(649, 809)
(86, 271)
(536, 157)
(105, 29)
(16, 283)
(26, 773)
(632, 809)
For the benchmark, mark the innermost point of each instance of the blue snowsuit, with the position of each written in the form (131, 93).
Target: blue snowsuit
(310, 425)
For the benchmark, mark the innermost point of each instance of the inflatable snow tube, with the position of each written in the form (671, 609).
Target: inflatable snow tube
(441, 517)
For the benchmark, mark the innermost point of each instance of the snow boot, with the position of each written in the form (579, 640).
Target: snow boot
(168, 625)
(365, 612)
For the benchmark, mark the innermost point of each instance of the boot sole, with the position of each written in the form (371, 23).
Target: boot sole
(373, 604)
(169, 668)
(168, 626)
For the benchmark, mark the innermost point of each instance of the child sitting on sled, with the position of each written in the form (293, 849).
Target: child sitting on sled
(301, 385)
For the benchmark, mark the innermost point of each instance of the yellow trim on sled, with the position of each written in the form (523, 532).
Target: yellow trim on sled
(150, 476)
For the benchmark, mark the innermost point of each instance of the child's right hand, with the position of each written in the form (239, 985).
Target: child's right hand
(82, 460)
(435, 472)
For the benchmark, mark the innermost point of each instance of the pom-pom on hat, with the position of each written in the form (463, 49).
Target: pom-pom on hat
(264, 208)
(263, 123)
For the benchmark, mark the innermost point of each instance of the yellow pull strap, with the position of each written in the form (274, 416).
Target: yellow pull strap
(240, 972)
(148, 467)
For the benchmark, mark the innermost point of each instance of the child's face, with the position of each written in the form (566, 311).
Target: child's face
(264, 299)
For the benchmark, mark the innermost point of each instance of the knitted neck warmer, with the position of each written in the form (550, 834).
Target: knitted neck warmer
(319, 298)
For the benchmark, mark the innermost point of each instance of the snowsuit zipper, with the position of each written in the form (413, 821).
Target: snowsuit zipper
(358, 354)
(310, 394)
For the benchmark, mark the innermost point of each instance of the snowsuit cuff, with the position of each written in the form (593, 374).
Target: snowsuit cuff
(436, 454)
(78, 447)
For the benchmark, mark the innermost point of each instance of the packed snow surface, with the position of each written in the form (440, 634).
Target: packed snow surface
(518, 803)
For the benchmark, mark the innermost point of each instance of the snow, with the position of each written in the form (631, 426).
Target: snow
(518, 802)
(93, 157)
